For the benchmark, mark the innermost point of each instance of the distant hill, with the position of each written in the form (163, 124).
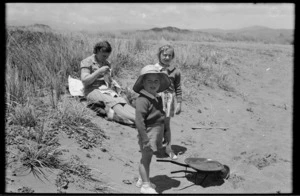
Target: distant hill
(34, 27)
(169, 29)
(258, 33)
(248, 34)
(252, 28)
(41, 26)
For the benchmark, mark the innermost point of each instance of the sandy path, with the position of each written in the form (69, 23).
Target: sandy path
(257, 146)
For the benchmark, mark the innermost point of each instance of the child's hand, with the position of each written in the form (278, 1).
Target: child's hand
(178, 108)
(146, 145)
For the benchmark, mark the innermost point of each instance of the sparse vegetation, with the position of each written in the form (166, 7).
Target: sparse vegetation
(38, 111)
(25, 189)
(38, 158)
(23, 115)
(75, 120)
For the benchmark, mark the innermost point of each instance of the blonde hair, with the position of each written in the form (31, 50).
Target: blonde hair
(163, 49)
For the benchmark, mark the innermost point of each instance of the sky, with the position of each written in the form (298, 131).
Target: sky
(114, 16)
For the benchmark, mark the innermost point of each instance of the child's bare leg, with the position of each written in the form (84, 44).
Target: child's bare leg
(144, 167)
(167, 135)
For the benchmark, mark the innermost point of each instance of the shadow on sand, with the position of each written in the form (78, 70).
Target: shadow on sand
(178, 150)
(207, 179)
(164, 183)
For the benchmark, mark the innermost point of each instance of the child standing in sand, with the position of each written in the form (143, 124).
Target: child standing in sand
(149, 120)
(165, 56)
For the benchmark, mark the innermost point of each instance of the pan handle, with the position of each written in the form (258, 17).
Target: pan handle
(186, 171)
(181, 164)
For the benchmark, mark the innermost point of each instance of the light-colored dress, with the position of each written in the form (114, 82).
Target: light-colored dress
(168, 97)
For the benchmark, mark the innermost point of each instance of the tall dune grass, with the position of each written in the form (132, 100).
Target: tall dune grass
(43, 60)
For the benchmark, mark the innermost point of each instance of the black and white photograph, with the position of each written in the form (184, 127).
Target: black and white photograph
(149, 98)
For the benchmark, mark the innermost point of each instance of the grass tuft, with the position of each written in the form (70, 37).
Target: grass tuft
(23, 115)
(75, 120)
(40, 158)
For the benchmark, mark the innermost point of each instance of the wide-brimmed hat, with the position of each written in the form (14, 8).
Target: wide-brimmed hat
(164, 79)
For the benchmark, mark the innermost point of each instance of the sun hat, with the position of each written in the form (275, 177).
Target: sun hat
(164, 79)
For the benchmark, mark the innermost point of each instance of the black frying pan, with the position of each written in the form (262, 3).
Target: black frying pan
(199, 164)
(202, 165)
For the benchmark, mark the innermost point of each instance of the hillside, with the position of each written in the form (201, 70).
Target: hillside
(168, 29)
(249, 34)
(253, 34)
(256, 33)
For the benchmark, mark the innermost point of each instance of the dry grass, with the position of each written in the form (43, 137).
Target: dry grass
(41, 62)
(40, 159)
(23, 115)
(72, 111)
(38, 65)
(74, 119)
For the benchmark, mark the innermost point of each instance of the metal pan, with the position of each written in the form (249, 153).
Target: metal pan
(199, 164)
(202, 164)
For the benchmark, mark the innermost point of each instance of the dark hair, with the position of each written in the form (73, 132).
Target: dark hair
(102, 46)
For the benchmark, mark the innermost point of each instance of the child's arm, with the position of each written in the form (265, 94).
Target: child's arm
(140, 115)
(178, 91)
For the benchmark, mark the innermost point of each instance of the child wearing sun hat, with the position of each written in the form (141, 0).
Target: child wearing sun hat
(149, 119)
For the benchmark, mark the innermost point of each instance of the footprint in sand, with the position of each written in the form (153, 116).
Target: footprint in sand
(236, 180)
(261, 161)
(236, 158)
(189, 141)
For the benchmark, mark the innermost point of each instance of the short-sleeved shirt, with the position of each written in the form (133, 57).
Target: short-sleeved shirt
(91, 64)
